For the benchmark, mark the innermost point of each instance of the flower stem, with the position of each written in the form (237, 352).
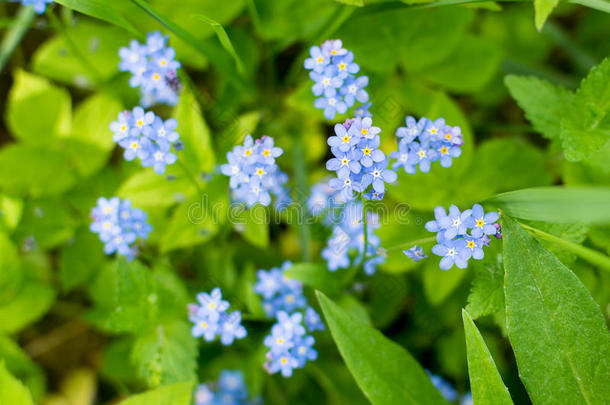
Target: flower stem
(412, 243)
(15, 33)
(592, 256)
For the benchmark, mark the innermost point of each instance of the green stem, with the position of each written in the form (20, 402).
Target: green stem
(413, 243)
(365, 230)
(300, 178)
(592, 256)
(18, 28)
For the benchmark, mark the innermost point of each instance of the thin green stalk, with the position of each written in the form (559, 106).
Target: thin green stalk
(413, 243)
(592, 256)
(15, 33)
(300, 178)
(583, 59)
(365, 230)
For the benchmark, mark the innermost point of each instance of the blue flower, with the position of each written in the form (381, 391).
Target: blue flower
(453, 252)
(413, 129)
(345, 65)
(313, 320)
(326, 82)
(434, 128)
(370, 266)
(318, 61)
(333, 47)
(378, 175)
(474, 247)
(373, 195)
(39, 5)
(415, 253)
(345, 185)
(291, 324)
(353, 90)
(444, 387)
(153, 69)
(119, 225)
(230, 389)
(331, 103)
(342, 140)
(159, 157)
(204, 395)
(363, 128)
(278, 291)
(456, 223)
(402, 158)
(303, 350)
(284, 363)
(363, 110)
(482, 223)
(422, 155)
(344, 162)
(279, 341)
(211, 319)
(320, 198)
(370, 153)
(335, 258)
(254, 173)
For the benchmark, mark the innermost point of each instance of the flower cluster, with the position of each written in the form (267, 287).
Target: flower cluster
(211, 319)
(153, 69)
(455, 244)
(144, 135)
(423, 142)
(254, 173)
(118, 225)
(348, 235)
(39, 5)
(357, 160)
(283, 298)
(289, 346)
(333, 71)
(230, 389)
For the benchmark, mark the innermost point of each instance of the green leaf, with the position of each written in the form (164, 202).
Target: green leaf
(543, 9)
(558, 334)
(22, 366)
(175, 394)
(101, 9)
(48, 222)
(145, 188)
(585, 128)
(12, 391)
(42, 170)
(11, 209)
(80, 259)
(33, 96)
(198, 154)
(573, 233)
(384, 371)
(197, 220)
(17, 28)
(225, 41)
(545, 104)
(166, 354)
(358, 3)
(137, 303)
(253, 224)
(487, 293)
(314, 275)
(438, 283)
(485, 381)
(31, 303)
(557, 204)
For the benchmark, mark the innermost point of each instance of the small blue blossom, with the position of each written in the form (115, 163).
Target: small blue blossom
(456, 223)
(444, 387)
(279, 292)
(415, 253)
(370, 265)
(211, 320)
(363, 128)
(153, 68)
(378, 175)
(38, 5)
(254, 174)
(453, 252)
(230, 389)
(466, 399)
(426, 142)
(145, 136)
(313, 320)
(482, 223)
(333, 72)
(370, 153)
(118, 225)
(363, 110)
(303, 350)
(344, 162)
(320, 199)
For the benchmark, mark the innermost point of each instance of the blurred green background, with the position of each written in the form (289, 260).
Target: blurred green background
(61, 88)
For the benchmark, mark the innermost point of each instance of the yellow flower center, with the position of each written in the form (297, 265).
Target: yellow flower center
(320, 59)
(346, 139)
(134, 145)
(344, 161)
(140, 123)
(266, 152)
(433, 131)
(366, 151)
(422, 153)
(123, 128)
(280, 341)
(260, 172)
(156, 77)
(470, 244)
(204, 325)
(163, 62)
(284, 360)
(448, 137)
(444, 150)
(480, 222)
(333, 52)
(248, 152)
(364, 131)
(341, 66)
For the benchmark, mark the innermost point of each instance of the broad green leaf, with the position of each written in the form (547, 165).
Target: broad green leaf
(314, 275)
(197, 219)
(558, 334)
(42, 170)
(113, 365)
(487, 293)
(359, 3)
(543, 9)
(224, 40)
(544, 103)
(198, 154)
(12, 391)
(33, 96)
(574, 233)
(145, 188)
(11, 209)
(236, 131)
(485, 381)
(166, 354)
(101, 9)
(11, 273)
(384, 371)
(97, 44)
(472, 65)
(31, 303)
(47, 222)
(80, 259)
(586, 127)
(557, 204)
(387, 298)
(174, 394)
(22, 366)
